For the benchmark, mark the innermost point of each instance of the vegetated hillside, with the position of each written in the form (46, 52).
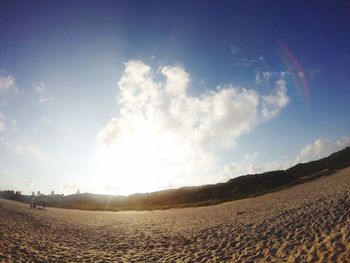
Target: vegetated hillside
(236, 188)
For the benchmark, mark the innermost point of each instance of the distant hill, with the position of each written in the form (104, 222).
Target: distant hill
(236, 188)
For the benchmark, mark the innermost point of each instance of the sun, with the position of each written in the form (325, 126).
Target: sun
(141, 161)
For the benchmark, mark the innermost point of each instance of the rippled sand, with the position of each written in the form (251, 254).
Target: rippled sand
(309, 222)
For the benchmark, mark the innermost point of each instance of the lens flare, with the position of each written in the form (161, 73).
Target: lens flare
(296, 71)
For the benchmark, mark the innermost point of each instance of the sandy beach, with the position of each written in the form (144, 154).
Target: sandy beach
(308, 222)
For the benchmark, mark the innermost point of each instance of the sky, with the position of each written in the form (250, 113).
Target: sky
(119, 97)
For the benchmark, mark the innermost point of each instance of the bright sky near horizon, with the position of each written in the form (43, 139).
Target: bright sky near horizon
(119, 97)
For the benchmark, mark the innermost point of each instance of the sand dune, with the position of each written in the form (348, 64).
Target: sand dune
(309, 222)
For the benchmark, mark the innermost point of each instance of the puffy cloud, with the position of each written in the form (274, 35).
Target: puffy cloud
(7, 84)
(163, 131)
(318, 149)
(262, 77)
(7, 88)
(342, 143)
(321, 148)
(273, 104)
(41, 90)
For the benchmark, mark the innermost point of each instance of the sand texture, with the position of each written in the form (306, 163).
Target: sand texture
(305, 223)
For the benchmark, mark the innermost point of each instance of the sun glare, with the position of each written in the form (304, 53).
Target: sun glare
(138, 162)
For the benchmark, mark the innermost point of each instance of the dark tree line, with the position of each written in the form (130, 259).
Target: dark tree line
(10, 194)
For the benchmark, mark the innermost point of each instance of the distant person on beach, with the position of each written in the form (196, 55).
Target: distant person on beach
(32, 203)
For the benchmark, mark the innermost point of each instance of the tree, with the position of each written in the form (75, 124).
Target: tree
(78, 191)
(33, 194)
(9, 194)
(52, 192)
(38, 193)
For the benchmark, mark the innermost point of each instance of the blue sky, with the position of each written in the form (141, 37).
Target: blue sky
(218, 90)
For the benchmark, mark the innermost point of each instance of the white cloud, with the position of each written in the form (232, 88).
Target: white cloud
(267, 77)
(259, 62)
(7, 88)
(246, 166)
(2, 122)
(246, 62)
(27, 149)
(321, 148)
(262, 77)
(41, 90)
(7, 84)
(273, 104)
(163, 131)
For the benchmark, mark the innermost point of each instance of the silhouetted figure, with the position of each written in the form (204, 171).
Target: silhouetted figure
(32, 203)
